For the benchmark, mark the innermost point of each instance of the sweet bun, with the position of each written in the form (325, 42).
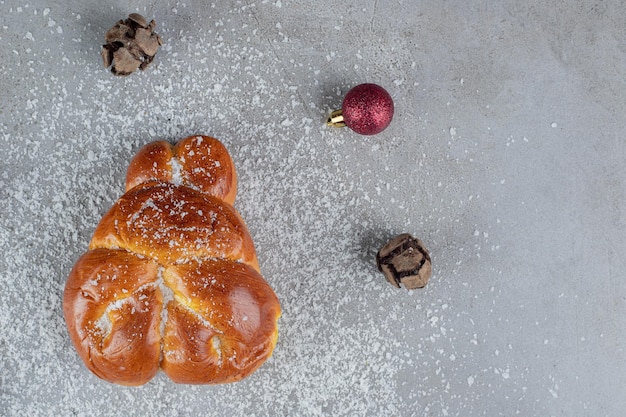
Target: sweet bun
(171, 280)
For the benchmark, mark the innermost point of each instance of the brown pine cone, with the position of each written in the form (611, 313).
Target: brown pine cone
(405, 260)
(130, 44)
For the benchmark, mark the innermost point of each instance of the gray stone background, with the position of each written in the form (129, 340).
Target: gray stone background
(506, 157)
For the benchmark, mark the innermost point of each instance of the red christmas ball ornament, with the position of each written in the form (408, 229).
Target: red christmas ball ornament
(367, 109)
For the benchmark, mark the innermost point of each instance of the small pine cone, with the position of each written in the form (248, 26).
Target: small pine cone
(404, 260)
(130, 44)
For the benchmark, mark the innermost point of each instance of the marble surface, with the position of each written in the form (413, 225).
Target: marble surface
(506, 157)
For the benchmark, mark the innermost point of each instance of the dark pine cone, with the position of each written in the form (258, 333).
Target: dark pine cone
(130, 44)
(405, 260)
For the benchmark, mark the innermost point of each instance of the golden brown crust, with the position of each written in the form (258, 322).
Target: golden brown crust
(174, 223)
(151, 163)
(223, 326)
(109, 299)
(207, 164)
(199, 162)
(171, 279)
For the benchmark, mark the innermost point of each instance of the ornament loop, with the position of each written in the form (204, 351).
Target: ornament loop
(336, 119)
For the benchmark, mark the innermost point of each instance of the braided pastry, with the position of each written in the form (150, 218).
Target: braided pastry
(171, 279)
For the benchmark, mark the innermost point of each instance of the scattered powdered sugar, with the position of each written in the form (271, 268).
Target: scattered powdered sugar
(318, 202)
(168, 295)
(216, 344)
(104, 323)
(177, 177)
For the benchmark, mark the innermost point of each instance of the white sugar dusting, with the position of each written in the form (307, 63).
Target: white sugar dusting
(177, 168)
(168, 295)
(216, 344)
(104, 323)
(318, 202)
